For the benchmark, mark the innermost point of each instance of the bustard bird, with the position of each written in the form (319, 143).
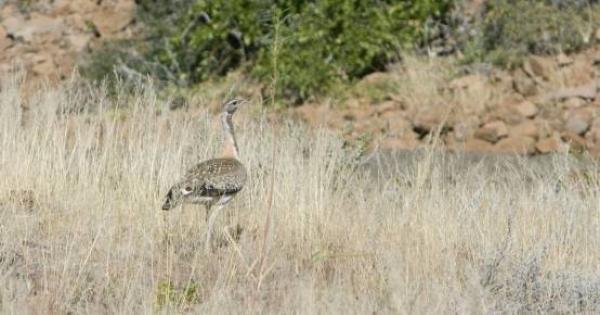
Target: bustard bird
(213, 182)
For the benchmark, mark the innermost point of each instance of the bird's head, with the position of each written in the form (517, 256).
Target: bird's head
(232, 105)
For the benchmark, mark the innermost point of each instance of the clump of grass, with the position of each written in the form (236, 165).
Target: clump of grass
(405, 234)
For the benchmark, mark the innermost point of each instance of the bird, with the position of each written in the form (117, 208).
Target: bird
(214, 182)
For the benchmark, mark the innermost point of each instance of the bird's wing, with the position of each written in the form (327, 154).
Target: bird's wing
(215, 177)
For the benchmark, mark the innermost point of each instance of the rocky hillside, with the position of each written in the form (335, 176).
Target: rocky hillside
(550, 104)
(47, 37)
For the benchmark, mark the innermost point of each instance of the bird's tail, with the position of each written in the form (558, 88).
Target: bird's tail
(171, 201)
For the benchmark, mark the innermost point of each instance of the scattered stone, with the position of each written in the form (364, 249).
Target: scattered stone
(564, 60)
(524, 85)
(398, 125)
(550, 144)
(593, 135)
(537, 66)
(44, 68)
(574, 141)
(111, 20)
(527, 128)
(471, 81)
(465, 129)
(577, 124)
(386, 107)
(38, 24)
(574, 102)
(492, 131)
(587, 92)
(477, 145)
(429, 120)
(79, 42)
(5, 41)
(519, 145)
(526, 109)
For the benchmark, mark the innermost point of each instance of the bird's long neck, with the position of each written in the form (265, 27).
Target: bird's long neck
(230, 148)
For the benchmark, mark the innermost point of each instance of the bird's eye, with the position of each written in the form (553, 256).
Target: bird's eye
(186, 190)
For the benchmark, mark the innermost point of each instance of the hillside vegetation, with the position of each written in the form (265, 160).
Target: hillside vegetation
(312, 49)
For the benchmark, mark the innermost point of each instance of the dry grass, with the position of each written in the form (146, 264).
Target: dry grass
(81, 230)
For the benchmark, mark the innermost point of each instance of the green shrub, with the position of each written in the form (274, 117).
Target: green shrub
(511, 29)
(310, 46)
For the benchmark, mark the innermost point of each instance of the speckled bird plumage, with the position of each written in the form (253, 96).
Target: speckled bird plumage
(207, 182)
(213, 181)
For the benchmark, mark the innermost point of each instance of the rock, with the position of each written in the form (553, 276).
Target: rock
(564, 60)
(519, 145)
(428, 120)
(574, 141)
(46, 69)
(37, 24)
(466, 128)
(79, 41)
(593, 135)
(537, 66)
(577, 124)
(524, 85)
(587, 91)
(526, 109)
(527, 128)
(477, 145)
(110, 20)
(598, 34)
(574, 102)
(5, 42)
(551, 144)
(492, 131)
(387, 107)
(469, 81)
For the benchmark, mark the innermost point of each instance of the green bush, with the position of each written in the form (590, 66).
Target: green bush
(310, 46)
(512, 29)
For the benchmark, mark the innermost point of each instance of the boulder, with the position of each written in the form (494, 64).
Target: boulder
(526, 109)
(515, 144)
(587, 91)
(492, 131)
(527, 128)
(577, 124)
(111, 20)
(564, 60)
(574, 141)
(5, 41)
(574, 102)
(36, 25)
(593, 135)
(471, 81)
(537, 66)
(477, 145)
(551, 144)
(524, 85)
(466, 128)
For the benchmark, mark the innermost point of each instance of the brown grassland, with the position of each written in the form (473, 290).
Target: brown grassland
(325, 229)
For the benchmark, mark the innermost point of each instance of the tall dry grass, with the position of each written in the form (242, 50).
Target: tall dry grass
(81, 230)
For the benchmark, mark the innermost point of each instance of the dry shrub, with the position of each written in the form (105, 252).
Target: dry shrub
(418, 233)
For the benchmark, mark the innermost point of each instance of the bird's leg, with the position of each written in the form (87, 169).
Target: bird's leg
(233, 227)
(208, 206)
(211, 223)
